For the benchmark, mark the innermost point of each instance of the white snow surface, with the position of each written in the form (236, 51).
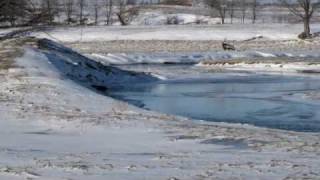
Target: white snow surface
(159, 18)
(197, 32)
(53, 127)
(190, 58)
(286, 67)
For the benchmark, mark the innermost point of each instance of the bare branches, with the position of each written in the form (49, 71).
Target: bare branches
(234, 8)
(231, 9)
(220, 6)
(69, 8)
(11, 10)
(122, 11)
(109, 10)
(126, 12)
(96, 8)
(243, 8)
(49, 9)
(254, 11)
(292, 8)
(82, 4)
(303, 9)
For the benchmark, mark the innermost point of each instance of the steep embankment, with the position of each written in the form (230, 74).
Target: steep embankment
(87, 71)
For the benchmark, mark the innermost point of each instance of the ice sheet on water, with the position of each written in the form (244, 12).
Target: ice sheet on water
(261, 100)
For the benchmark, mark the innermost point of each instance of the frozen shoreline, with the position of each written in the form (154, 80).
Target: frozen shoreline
(207, 58)
(58, 129)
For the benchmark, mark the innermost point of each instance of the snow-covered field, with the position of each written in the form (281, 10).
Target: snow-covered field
(204, 58)
(307, 67)
(56, 128)
(197, 32)
(58, 123)
(159, 18)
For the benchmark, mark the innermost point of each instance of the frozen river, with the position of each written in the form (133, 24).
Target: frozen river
(265, 100)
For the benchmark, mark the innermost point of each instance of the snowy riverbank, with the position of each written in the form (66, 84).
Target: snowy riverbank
(56, 128)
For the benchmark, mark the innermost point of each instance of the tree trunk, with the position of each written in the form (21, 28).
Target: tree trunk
(81, 6)
(121, 19)
(254, 11)
(307, 30)
(109, 11)
(254, 16)
(81, 17)
(223, 15)
(96, 14)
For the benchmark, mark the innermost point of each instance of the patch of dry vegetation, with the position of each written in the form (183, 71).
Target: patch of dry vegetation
(11, 49)
(276, 61)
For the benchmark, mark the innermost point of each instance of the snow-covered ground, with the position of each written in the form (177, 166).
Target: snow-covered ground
(206, 58)
(158, 18)
(307, 67)
(58, 122)
(7, 30)
(197, 32)
(53, 127)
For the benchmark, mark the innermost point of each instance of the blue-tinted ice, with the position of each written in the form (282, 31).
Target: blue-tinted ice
(261, 100)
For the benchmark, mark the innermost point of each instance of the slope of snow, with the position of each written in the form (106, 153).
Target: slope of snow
(5, 31)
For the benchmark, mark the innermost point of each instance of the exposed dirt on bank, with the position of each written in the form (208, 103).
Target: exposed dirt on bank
(180, 46)
(9, 50)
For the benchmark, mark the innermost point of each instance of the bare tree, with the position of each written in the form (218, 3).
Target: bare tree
(68, 6)
(109, 10)
(122, 11)
(243, 6)
(13, 10)
(176, 2)
(96, 7)
(82, 4)
(50, 8)
(254, 11)
(220, 6)
(303, 9)
(231, 7)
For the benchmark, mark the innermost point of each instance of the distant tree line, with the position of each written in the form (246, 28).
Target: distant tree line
(77, 12)
(232, 8)
(31, 12)
(12, 11)
(303, 9)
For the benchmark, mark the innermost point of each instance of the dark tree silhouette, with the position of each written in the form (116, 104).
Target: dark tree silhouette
(220, 6)
(304, 9)
(13, 10)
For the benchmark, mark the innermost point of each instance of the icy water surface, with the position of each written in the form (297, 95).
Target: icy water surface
(273, 101)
